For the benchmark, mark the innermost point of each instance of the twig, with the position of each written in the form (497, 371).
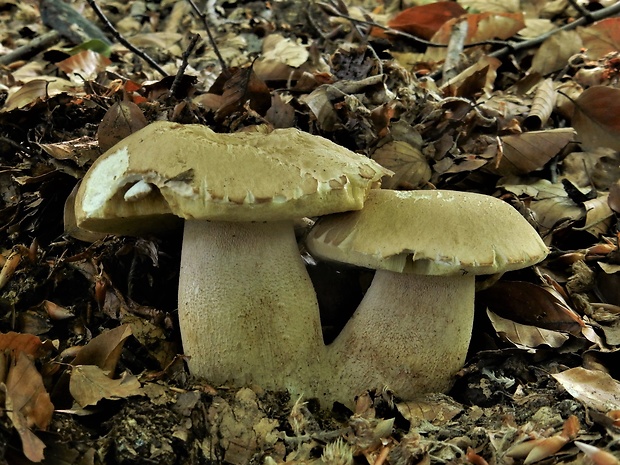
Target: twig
(31, 48)
(122, 40)
(203, 17)
(184, 63)
(455, 48)
(595, 16)
(17, 146)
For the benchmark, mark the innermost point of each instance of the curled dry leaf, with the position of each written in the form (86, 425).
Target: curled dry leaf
(595, 389)
(411, 170)
(542, 105)
(80, 150)
(596, 117)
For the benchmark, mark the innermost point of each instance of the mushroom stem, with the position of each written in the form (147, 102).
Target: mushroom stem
(410, 333)
(247, 309)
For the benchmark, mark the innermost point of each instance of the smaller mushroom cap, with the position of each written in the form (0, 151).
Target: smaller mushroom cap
(429, 232)
(168, 169)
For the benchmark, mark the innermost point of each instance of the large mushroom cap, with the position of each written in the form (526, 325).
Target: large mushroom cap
(192, 172)
(429, 232)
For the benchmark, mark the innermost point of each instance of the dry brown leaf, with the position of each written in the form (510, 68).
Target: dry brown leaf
(19, 342)
(81, 150)
(437, 409)
(35, 90)
(425, 20)
(596, 117)
(321, 106)
(478, 78)
(244, 86)
(89, 384)
(105, 349)
(530, 304)
(595, 389)
(525, 336)
(542, 105)
(598, 216)
(601, 37)
(599, 168)
(281, 114)
(411, 170)
(28, 404)
(554, 53)
(121, 120)
(481, 27)
(56, 312)
(84, 65)
(527, 152)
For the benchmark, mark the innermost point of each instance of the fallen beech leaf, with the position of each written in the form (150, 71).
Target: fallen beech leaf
(554, 52)
(121, 120)
(105, 349)
(596, 117)
(601, 37)
(81, 150)
(530, 304)
(595, 389)
(411, 170)
(437, 409)
(243, 86)
(424, 20)
(19, 342)
(28, 404)
(525, 336)
(483, 26)
(84, 65)
(598, 216)
(35, 90)
(527, 152)
(478, 78)
(89, 384)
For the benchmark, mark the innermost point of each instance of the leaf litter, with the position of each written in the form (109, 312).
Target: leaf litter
(92, 370)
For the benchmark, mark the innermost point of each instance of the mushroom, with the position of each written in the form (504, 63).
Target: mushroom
(412, 329)
(247, 309)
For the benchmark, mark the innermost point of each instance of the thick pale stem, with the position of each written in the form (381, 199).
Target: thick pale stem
(247, 309)
(410, 333)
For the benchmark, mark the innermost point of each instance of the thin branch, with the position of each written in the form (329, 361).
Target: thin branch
(595, 16)
(122, 40)
(31, 48)
(184, 63)
(203, 17)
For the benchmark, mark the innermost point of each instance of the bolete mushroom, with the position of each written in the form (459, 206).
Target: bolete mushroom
(247, 309)
(412, 329)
